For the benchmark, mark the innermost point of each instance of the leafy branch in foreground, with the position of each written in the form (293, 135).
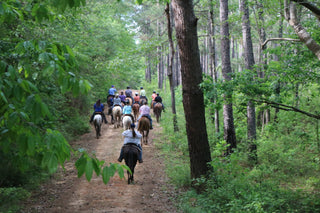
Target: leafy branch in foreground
(87, 165)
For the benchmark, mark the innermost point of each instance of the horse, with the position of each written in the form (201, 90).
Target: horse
(126, 121)
(142, 100)
(130, 154)
(143, 128)
(157, 109)
(130, 100)
(135, 109)
(116, 112)
(152, 103)
(109, 111)
(97, 121)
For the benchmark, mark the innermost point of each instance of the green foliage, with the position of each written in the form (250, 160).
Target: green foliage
(87, 165)
(10, 197)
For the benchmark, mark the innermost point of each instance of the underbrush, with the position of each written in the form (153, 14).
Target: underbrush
(19, 174)
(285, 178)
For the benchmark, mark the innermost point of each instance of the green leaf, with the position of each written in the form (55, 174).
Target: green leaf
(3, 97)
(106, 174)
(96, 167)
(89, 169)
(81, 165)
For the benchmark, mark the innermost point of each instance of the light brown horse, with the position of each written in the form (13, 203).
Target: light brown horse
(143, 128)
(117, 111)
(130, 100)
(157, 109)
(135, 109)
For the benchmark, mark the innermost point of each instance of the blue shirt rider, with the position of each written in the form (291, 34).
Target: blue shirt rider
(112, 91)
(98, 109)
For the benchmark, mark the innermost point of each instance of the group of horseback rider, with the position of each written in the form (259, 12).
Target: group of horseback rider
(114, 99)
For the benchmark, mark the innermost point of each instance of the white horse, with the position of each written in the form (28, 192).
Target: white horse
(117, 111)
(126, 121)
(97, 121)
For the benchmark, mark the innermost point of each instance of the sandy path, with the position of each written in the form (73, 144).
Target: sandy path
(67, 193)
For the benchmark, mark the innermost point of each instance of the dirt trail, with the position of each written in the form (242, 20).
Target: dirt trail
(67, 193)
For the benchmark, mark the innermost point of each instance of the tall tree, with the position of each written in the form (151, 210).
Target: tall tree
(249, 63)
(229, 130)
(170, 72)
(213, 61)
(186, 33)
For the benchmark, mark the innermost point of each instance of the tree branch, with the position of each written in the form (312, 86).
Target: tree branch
(288, 108)
(279, 39)
(310, 6)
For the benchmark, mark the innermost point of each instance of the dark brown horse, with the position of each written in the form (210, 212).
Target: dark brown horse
(135, 109)
(152, 103)
(157, 109)
(130, 154)
(143, 128)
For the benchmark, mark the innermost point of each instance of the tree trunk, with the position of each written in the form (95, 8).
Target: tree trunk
(229, 130)
(291, 17)
(186, 33)
(249, 63)
(213, 60)
(170, 73)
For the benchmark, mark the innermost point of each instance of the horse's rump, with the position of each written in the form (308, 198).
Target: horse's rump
(127, 121)
(130, 154)
(135, 107)
(130, 100)
(143, 100)
(116, 110)
(144, 124)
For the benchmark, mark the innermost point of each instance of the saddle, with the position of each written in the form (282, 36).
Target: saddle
(128, 146)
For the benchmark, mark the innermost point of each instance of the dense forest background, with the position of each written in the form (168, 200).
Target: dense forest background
(58, 57)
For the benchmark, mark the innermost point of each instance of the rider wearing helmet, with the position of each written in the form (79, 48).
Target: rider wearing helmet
(158, 99)
(112, 91)
(145, 111)
(98, 109)
(128, 93)
(122, 97)
(143, 94)
(136, 98)
(127, 110)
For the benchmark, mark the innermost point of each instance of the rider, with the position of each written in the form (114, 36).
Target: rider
(122, 97)
(98, 109)
(132, 136)
(158, 99)
(143, 93)
(117, 101)
(137, 98)
(127, 110)
(154, 95)
(145, 111)
(112, 90)
(128, 93)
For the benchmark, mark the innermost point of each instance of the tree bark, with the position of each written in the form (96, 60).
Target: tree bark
(186, 33)
(229, 130)
(249, 63)
(213, 60)
(170, 72)
(291, 17)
